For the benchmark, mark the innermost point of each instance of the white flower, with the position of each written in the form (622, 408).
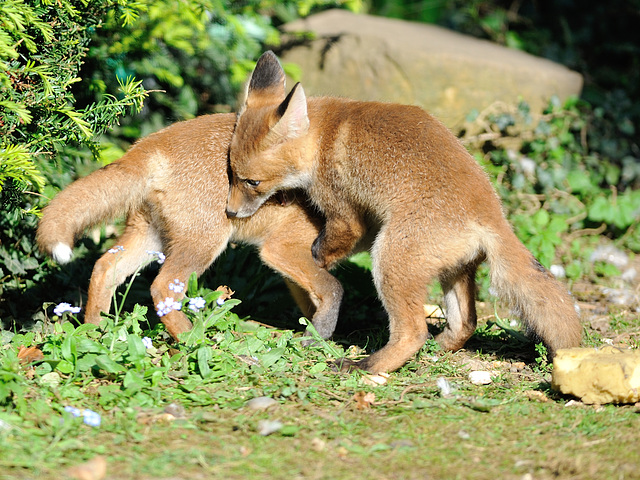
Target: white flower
(116, 249)
(146, 341)
(91, 418)
(159, 256)
(166, 306)
(220, 301)
(63, 308)
(177, 286)
(196, 304)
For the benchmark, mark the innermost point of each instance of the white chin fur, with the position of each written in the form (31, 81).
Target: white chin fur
(61, 253)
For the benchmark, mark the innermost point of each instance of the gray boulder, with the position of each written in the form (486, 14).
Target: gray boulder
(447, 73)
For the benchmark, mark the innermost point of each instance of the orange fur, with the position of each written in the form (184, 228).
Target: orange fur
(173, 186)
(439, 216)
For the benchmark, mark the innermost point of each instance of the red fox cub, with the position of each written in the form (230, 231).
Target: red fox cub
(439, 216)
(173, 186)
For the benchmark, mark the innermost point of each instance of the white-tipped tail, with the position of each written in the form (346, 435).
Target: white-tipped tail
(61, 253)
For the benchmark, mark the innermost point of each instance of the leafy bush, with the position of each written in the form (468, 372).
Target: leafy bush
(554, 180)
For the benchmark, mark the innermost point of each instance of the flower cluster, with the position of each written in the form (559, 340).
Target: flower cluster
(177, 286)
(89, 417)
(116, 249)
(146, 341)
(158, 256)
(166, 306)
(196, 304)
(63, 308)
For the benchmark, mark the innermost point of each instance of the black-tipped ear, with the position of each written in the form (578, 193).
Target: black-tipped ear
(294, 121)
(267, 83)
(267, 74)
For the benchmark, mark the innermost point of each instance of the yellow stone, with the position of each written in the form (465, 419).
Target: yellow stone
(598, 376)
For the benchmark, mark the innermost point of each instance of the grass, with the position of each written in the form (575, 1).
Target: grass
(182, 410)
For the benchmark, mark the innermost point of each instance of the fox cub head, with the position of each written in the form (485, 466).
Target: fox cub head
(267, 151)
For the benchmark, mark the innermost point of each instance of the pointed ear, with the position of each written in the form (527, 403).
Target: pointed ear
(294, 121)
(267, 82)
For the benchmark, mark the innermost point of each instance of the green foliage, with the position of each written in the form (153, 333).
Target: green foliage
(194, 55)
(219, 347)
(42, 45)
(554, 181)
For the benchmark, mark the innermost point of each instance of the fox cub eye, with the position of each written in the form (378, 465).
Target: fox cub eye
(252, 183)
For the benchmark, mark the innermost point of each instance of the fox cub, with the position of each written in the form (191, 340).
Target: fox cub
(173, 187)
(438, 213)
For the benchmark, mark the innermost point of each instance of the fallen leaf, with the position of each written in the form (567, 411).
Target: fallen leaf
(536, 395)
(375, 380)
(226, 292)
(149, 419)
(94, 469)
(364, 400)
(29, 354)
(318, 444)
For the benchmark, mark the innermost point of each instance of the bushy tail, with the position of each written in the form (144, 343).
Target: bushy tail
(102, 195)
(542, 302)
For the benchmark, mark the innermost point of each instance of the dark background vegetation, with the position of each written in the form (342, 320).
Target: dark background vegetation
(73, 78)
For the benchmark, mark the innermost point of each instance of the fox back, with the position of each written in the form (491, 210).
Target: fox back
(439, 214)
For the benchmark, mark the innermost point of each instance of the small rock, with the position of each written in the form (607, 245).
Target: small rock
(403, 443)
(261, 403)
(557, 271)
(620, 296)
(480, 377)
(598, 376)
(517, 367)
(610, 254)
(444, 386)
(174, 409)
(629, 275)
(51, 379)
(267, 427)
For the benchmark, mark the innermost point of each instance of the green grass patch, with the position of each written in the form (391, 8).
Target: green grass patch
(154, 409)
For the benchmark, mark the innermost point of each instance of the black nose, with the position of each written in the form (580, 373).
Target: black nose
(231, 213)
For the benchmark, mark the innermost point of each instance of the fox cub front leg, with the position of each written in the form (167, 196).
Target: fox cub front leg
(337, 239)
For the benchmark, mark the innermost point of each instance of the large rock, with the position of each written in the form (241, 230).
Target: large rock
(449, 74)
(607, 375)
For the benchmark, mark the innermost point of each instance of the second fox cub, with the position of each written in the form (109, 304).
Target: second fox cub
(438, 213)
(173, 186)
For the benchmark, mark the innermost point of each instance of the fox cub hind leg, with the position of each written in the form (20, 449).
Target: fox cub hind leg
(113, 267)
(459, 289)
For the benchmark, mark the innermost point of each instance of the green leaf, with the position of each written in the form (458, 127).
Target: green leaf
(68, 350)
(203, 356)
(136, 348)
(108, 365)
(601, 210)
(64, 366)
(133, 382)
(362, 259)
